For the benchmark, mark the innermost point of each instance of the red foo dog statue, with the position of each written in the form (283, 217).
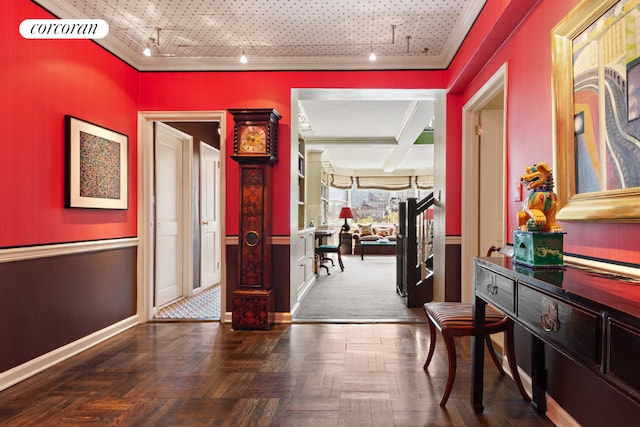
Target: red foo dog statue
(538, 211)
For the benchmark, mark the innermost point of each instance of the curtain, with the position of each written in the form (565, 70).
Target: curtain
(393, 183)
(384, 182)
(424, 182)
(342, 182)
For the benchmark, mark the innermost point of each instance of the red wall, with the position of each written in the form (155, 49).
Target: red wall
(224, 90)
(42, 80)
(48, 79)
(530, 132)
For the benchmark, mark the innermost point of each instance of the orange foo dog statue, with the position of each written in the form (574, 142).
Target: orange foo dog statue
(538, 211)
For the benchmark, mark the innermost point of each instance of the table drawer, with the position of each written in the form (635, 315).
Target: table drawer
(496, 289)
(624, 348)
(569, 328)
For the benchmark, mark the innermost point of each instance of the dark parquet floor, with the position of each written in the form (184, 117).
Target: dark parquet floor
(191, 374)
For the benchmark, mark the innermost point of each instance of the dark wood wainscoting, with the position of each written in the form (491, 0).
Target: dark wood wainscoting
(46, 303)
(453, 266)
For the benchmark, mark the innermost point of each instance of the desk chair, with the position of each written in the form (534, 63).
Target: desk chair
(456, 319)
(323, 250)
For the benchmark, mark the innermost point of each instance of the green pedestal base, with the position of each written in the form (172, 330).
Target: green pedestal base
(538, 249)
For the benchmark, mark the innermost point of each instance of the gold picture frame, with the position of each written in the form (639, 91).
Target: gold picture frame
(612, 205)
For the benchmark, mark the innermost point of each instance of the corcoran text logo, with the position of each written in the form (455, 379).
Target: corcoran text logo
(64, 28)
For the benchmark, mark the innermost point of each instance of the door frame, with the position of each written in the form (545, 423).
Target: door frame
(204, 147)
(470, 172)
(146, 248)
(185, 184)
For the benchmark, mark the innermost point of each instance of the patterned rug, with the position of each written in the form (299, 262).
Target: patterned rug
(202, 306)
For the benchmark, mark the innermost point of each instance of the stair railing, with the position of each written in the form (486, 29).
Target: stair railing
(414, 251)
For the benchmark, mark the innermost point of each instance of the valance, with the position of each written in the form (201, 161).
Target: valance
(384, 182)
(392, 183)
(342, 182)
(424, 182)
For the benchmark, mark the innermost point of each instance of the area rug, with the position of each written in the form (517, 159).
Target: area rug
(364, 292)
(202, 306)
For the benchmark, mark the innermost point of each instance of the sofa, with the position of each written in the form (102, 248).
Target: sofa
(374, 232)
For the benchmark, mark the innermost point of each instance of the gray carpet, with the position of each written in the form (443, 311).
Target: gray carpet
(364, 292)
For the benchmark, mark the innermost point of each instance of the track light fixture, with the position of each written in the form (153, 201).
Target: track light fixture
(153, 43)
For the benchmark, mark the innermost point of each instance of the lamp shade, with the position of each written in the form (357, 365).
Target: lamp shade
(345, 213)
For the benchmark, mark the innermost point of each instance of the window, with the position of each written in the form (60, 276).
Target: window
(370, 205)
(337, 200)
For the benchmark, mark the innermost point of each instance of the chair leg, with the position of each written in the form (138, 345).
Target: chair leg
(451, 355)
(340, 261)
(326, 268)
(493, 354)
(432, 343)
(511, 357)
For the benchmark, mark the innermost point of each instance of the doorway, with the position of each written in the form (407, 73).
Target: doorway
(196, 274)
(172, 157)
(424, 110)
(483, 174)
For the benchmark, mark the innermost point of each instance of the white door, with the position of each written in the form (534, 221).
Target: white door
(170, 280)
(490, 186)
(210, 238)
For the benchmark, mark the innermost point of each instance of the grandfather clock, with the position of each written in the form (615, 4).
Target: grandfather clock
(255, 148)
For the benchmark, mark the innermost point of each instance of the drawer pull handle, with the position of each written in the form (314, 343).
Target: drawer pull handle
(492, 288)
(549, 318)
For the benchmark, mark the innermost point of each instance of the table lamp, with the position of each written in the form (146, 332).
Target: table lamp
(345, 213)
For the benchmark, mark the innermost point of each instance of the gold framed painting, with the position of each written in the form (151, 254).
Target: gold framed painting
(596, 106)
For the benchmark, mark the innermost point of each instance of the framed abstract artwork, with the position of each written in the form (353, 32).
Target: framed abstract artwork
(596, 97)
(97, 166)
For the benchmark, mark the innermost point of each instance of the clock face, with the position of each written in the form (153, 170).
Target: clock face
(252, 139)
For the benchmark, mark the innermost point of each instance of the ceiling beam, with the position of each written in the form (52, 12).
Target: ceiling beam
(345, 142)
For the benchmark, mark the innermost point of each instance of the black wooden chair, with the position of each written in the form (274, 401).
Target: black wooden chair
(322, 251)
(456, 319)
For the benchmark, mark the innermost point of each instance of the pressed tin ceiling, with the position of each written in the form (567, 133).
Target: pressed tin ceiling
(279, 34)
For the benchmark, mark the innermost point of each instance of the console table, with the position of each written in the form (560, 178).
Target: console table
(591, 317)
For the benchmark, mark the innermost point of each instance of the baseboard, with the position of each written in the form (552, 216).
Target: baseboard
(226, 317)
(283, 317)
(558, 416)
(39, 364)
(555, 413)
(280, 317)
(295, 308)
